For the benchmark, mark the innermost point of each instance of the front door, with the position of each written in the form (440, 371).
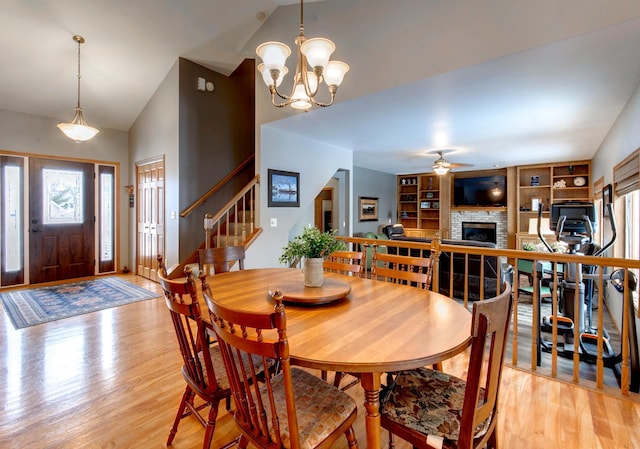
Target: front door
(61, 220)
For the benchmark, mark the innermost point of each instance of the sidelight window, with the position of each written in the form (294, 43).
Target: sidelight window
(12, 219)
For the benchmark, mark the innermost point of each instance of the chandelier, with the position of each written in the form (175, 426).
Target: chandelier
(312, 67)
(78, 129)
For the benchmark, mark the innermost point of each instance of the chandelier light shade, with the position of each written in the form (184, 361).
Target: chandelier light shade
(312, 68)
(78, 129)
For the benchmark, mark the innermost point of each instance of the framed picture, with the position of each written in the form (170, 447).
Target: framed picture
(425, 204)
(606, 199)
(368, 208)
(284, 188)
(535, 181)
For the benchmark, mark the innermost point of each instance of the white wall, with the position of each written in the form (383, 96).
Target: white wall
(36, 135)
(316, 163)
(155, 133)
(622, 140)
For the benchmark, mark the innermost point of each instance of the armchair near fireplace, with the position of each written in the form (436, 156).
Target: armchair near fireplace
(494, 270)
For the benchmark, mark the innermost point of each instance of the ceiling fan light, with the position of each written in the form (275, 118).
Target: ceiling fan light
(440, 170)
(318, 51)
(334, 73)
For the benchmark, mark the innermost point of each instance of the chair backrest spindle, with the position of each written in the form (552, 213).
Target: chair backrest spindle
(399, 269)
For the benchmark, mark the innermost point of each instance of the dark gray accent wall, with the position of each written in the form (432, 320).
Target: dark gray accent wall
(379, 185)
(216, 134)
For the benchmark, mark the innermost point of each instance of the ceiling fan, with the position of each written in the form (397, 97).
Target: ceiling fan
(441, 166)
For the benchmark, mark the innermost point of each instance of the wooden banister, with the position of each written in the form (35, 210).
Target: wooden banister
(218, 186)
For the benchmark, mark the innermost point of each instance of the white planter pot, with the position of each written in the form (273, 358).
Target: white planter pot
(313, 272)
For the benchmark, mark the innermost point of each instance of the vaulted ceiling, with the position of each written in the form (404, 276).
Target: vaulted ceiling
(499, 82)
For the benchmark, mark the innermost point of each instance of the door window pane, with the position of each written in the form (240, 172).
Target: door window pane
(106, 217)
(12, 215)
(62, 194)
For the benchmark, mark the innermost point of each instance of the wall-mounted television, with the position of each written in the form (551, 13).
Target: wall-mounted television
(487, 191)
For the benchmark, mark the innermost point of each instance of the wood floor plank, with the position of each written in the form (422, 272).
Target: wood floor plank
(111, 379)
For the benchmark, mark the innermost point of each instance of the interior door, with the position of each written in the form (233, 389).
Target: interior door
(61, 220)
(150, 211)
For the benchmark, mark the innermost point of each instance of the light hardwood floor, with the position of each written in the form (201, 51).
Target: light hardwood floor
(111, 379)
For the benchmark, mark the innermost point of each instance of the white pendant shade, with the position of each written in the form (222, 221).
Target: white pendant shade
(317, 51)
(79, 133)
(334, 73)
(266, 74)
(299, 99)
(274, 55)
(78, 129)
(312, 81)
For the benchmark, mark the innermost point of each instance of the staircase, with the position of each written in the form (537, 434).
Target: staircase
(233, 225)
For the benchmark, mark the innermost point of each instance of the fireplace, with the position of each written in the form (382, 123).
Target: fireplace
(480, 232)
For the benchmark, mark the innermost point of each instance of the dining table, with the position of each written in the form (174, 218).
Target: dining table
(354, 325)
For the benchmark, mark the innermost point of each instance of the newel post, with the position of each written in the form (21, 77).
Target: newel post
(435, 254)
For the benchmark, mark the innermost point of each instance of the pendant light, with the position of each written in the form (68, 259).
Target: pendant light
(312, 68)
(78, 129)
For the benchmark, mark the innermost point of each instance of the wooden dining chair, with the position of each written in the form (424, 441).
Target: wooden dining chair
(203, 368)
(293, 409)
(410, 270)
(345, 262)
(432, 409)
(348, 263)
(221, 258)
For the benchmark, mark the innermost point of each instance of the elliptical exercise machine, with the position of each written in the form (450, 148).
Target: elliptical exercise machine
(574, 224)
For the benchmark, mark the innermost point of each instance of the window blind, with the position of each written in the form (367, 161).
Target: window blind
(626, 175)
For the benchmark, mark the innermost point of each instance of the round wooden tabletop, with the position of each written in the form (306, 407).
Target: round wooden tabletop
(377, 327)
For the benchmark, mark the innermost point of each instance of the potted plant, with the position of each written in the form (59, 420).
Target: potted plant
(312, 246)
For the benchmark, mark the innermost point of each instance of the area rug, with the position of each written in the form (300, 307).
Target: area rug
(41, 305)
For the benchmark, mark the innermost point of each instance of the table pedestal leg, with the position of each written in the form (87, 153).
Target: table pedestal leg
(371, 384)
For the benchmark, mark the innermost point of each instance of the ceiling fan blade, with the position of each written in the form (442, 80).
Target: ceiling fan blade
(460, 165)
(441, 162)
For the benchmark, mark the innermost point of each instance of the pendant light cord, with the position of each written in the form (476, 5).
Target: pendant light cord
(79, 43)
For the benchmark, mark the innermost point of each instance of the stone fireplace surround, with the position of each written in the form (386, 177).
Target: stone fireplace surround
(483, 216)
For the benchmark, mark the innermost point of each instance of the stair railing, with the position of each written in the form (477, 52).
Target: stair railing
(234, 223)
(218, 186)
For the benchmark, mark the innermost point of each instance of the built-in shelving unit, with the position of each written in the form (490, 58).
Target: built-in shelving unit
(408, 200)
(420, 202)
(547, 184)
